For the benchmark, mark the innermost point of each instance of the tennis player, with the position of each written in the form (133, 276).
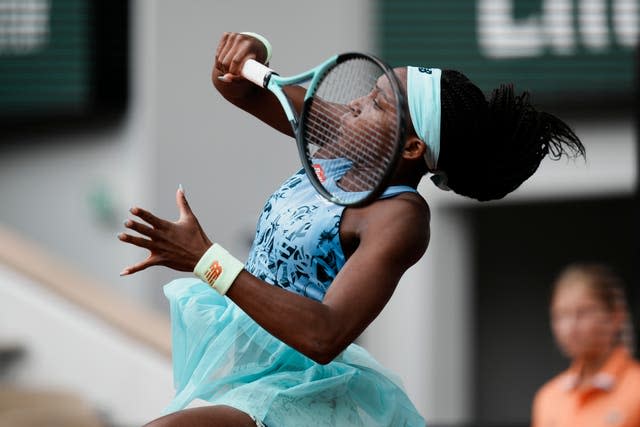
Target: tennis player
(270, 341)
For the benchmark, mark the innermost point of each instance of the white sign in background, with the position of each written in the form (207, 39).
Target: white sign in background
(24, 26)
(562, 27)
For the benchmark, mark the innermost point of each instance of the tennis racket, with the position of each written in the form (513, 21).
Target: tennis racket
(351, 129)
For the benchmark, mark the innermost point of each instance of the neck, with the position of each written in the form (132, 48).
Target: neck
(413, 183)
(410, 176)
(592, 364)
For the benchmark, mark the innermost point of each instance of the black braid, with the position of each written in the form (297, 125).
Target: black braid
(489, 148)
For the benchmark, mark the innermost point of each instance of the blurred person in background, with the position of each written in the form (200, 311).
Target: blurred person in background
(592, 326)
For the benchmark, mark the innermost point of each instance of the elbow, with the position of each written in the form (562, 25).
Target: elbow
(323, 361)
(323, 358)
(323, 350)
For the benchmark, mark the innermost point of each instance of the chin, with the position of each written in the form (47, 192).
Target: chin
(573, 350)
(578, 351)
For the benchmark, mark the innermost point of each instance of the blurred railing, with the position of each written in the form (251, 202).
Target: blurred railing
(142, 324)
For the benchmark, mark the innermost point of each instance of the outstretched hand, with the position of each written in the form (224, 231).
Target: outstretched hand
(177, 245)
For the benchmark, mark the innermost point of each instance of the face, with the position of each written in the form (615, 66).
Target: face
(582, 324)
(367, 131)
(371, 117)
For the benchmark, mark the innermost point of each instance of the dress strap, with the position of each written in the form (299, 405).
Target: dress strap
(397, 189)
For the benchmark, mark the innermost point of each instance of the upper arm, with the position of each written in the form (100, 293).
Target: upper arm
(389, 245)
(260, 102)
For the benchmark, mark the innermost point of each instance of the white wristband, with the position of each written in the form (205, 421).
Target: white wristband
(218, 268)
(264, 41)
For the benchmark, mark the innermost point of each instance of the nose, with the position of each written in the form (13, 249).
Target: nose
(356, 106)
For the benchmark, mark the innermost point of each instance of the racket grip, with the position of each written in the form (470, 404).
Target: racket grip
(256, 72)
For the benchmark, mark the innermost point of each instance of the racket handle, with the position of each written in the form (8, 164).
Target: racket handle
(256, 72)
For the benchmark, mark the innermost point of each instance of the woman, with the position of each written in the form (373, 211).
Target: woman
(279, 349)
(591, 324)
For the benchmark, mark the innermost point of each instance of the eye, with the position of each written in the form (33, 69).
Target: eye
(376, 104)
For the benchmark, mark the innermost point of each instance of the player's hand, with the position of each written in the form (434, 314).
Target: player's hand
(232, 52)
(178, 245)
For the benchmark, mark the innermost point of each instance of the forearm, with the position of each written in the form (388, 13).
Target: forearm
(240, 91)
(256, 101)
(302, 323)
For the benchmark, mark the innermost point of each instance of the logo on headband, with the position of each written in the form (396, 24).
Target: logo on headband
(424, 70)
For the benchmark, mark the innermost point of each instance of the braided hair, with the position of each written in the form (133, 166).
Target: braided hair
(491, 147)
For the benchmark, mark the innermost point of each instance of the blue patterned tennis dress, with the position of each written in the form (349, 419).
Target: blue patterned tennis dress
(222, 356)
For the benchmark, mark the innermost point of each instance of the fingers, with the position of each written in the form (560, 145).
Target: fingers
(233, 50)
(148, 217)
(150, 261)
(183, 205)
(229, 60)
(226, 52)
(177, 245)
(142, 229)
(136, 241)
(221, 44)
(238, 60)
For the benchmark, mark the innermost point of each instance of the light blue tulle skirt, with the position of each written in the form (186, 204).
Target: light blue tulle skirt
(222, 356)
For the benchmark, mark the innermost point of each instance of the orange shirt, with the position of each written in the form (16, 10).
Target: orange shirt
(612, 399)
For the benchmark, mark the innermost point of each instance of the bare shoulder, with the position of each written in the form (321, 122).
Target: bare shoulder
(406, 210)
(411, 202)
(400, 224)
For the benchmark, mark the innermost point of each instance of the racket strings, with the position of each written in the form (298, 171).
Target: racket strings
(342, 89)
(332, 130)
(370, 148)
(324, 114)
(367, 154)
(367, 163)
(368, 166)
(363, 139)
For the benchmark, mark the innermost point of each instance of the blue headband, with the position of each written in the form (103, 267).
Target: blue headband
(423, 95)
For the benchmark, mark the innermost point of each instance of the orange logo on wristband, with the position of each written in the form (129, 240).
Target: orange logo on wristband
(215, 270)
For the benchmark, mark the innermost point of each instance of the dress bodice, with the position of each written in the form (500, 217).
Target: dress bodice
(297, 242)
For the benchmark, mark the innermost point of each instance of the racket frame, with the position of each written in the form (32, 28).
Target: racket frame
(267, 78)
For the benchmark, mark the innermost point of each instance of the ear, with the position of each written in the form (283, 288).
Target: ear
(414, 148)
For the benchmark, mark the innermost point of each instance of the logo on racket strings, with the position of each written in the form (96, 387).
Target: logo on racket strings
(214, 271)
(319, 172)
